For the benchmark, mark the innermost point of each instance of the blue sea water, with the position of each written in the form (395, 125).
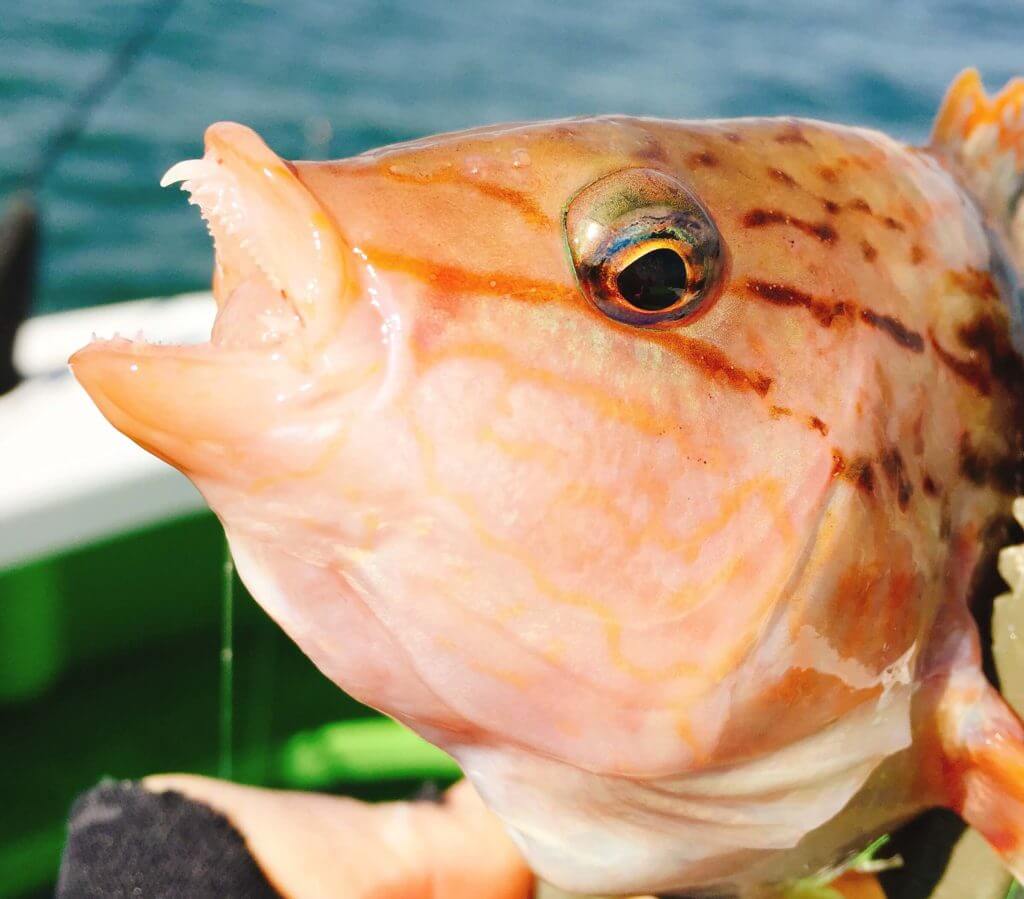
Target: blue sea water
(322, 78)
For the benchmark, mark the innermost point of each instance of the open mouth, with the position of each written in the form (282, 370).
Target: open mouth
(281, 289)
(279, 264)
(253, 307)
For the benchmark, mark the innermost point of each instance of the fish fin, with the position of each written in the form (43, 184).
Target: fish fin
(983, 765)
(982, 138)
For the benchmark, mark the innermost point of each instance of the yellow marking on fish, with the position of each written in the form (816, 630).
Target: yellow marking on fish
(557, 595)
(555, 650)
(510, 612)
(644, 419)
(685, 598)
(684, 729)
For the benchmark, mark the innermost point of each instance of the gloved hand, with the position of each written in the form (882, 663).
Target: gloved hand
(188, 836)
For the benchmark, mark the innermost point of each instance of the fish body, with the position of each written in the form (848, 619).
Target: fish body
(647, 467)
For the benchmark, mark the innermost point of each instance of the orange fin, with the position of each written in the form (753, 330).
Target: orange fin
(983, 138)
(983, 748)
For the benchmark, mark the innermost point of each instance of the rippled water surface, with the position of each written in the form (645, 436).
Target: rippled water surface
(326, 78)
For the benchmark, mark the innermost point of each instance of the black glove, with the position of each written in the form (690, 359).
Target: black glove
(126, 841)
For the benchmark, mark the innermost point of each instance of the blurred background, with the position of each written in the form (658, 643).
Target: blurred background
(118, 655)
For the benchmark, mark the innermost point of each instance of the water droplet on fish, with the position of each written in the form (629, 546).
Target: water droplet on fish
(493, 283)
(520, 159)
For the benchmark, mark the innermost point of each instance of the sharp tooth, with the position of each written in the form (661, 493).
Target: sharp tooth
(187, 170)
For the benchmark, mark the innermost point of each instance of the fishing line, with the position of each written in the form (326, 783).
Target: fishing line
(76, 119)
(225, 755)
(19, 223)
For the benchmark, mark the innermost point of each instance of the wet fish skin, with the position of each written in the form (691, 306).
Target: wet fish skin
(686, 597)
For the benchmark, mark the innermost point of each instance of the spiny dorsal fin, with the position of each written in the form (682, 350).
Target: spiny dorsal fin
(983, 138)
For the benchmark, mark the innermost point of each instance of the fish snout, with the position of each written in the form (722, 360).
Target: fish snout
(288, 335)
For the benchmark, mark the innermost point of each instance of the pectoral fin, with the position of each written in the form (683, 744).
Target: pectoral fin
(982, 768)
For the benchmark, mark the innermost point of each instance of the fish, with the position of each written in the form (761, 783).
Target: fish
(649, 468)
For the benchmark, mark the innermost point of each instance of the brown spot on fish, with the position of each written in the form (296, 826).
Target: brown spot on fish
(967, 370)
(860, 473)
(894, 328)
(827, 312)
(813, 422)
(895, 471)
(831, 206)
(652, 150)
(784, 295)
(792, 134)
(869, 253)
(892, 224)
(759, 218)
(1002, 472)
(714, 362)
(929, 486)
(704, 158)
(989, 337)
(782, 177)
(828, 174)
(975, 282)
(817, 424)
(859, 204)
(917, 254)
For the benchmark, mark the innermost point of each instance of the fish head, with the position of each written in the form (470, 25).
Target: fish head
(496, 428)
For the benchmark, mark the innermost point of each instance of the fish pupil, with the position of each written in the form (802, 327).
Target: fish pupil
(653, 282)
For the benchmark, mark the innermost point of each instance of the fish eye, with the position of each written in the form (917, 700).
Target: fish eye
(645, 251)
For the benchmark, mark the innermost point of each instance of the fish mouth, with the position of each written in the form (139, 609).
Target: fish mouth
(278, 257)
(281, 288)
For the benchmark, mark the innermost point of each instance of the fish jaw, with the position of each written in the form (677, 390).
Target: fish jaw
(290, 334)
(263, 221)
(182, 403)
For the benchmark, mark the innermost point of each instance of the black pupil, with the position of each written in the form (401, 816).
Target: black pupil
(653, 282)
